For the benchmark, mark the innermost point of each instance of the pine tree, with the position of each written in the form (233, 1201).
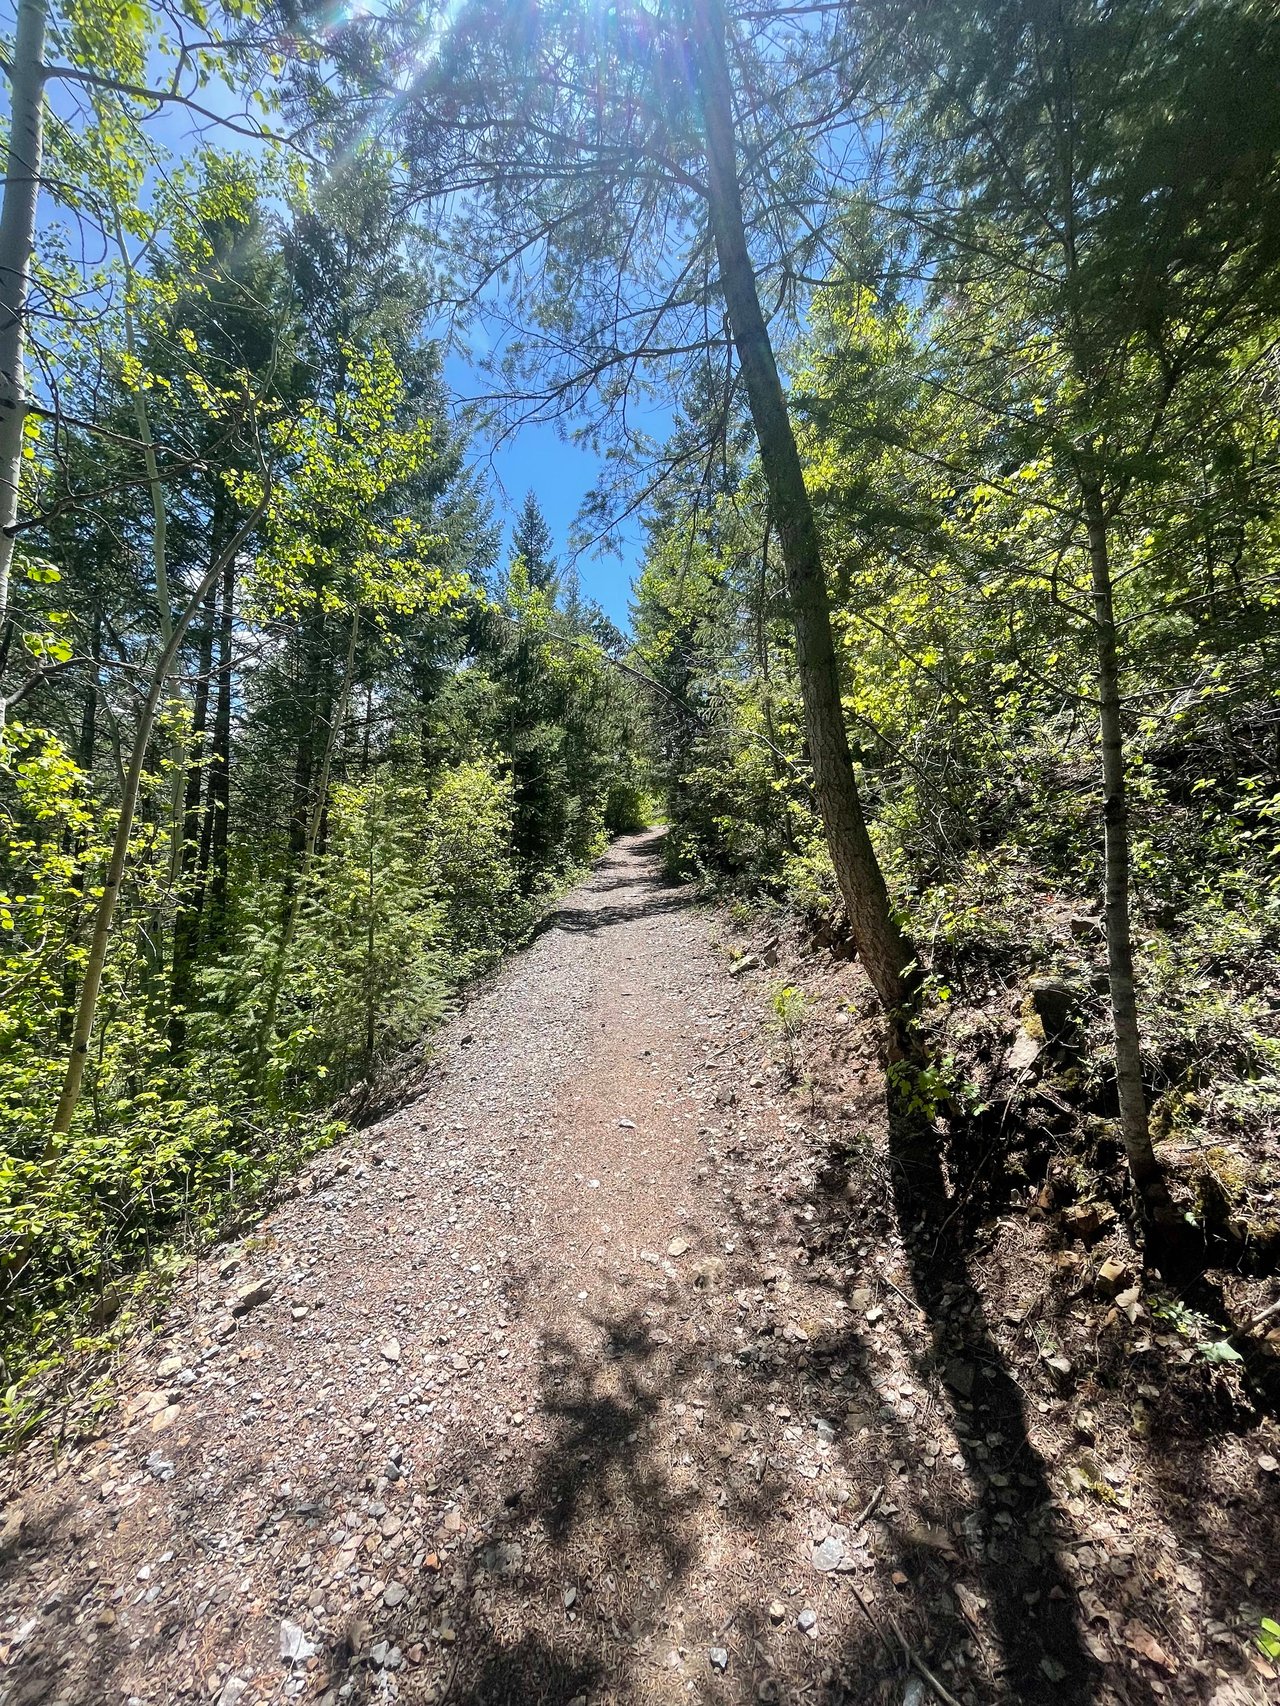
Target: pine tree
(531, 540)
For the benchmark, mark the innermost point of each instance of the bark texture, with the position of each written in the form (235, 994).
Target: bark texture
(885, 953)
(1135, 1129)
(17, 239)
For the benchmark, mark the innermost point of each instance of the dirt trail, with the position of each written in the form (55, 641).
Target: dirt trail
(543, 1390)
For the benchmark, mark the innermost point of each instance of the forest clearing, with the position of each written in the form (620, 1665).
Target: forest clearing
(640, 852)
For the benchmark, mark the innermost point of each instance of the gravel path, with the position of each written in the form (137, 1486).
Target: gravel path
(467, 1419)
(595, 1377)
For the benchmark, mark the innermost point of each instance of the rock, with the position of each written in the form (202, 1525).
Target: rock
(719, 1658)
(233, 1691)
(1112, 1276)
(826, 1431)
(250, 1296)
(570, 1598)
(1083, 1221)
(1023, 1053)
(394, 1594)
(159, 1466)
(960, 1376)
(15, 1520)
(777, 1611)
(1054, 1001)
(1082, 926)
(1268, 1464)
(169, 1367)
(677, 1247)
(390, 1348)
(807, 1622)
(748, 962)
(828, 1554)
(914, 1693)
(504, 1559)
(295, 1649)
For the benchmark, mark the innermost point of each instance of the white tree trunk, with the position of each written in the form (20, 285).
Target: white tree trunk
(17, 239)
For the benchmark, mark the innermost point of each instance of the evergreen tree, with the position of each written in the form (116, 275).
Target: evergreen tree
(532, 542)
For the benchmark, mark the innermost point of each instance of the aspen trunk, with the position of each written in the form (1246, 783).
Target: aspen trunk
(17, 240)
(1135, 1131)
(886, 956)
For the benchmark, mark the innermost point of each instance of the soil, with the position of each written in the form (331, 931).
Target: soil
(622, 1366)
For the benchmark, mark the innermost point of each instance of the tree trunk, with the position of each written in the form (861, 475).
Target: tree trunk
(17, 240)
(220, 764)
(189, 898)
(87, 1007)
(296, 890)
(887, 957)
(1135, 1132)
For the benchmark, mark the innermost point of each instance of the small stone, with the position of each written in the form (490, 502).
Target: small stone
(1081, 925)
(294, 1646)
(777, 1611)
(807, 1622)
(1268, 1464)
(677, 1246)
(960, 1377)
(828, 1555)
(505, 1559)
(719, 1658)
(394, 1594)
(250, 1296)
(1113, 1276)
(1054, 1002)
(570, 1597)
(390, 1348)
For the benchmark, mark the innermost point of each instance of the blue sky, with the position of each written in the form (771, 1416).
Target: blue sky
(562, 474)
(537, 459)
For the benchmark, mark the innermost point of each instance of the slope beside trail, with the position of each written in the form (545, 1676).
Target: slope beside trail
(545, 1391)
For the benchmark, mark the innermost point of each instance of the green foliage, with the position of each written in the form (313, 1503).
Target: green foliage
(367, 776)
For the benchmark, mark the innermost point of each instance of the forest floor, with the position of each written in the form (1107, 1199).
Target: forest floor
(607, 1371)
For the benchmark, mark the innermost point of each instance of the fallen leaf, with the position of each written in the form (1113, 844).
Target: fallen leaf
(1141, 1641)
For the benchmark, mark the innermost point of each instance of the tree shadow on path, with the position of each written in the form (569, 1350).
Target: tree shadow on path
(1014, 1531)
